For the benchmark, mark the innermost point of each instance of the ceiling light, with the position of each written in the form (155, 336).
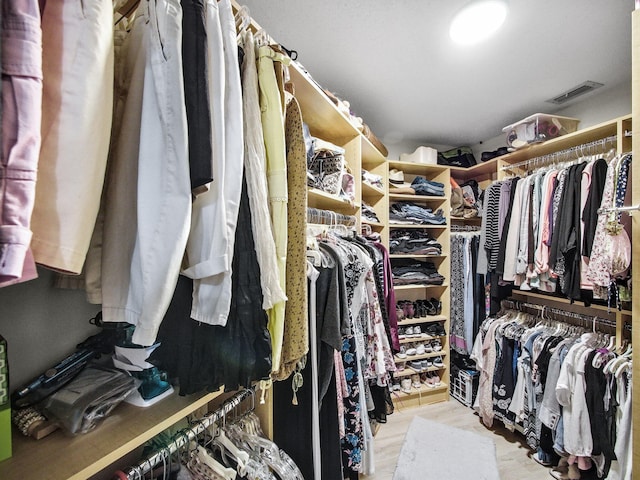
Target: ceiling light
(477, 21)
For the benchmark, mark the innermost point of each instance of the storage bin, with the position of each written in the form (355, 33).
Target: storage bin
(464, 386)
(538, 128)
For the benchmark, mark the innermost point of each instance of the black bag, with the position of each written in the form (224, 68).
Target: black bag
(457, 157)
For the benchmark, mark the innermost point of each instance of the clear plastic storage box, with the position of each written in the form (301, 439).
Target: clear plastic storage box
(538, 128)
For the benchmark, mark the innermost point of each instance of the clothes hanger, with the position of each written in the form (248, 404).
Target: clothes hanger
(205, 457)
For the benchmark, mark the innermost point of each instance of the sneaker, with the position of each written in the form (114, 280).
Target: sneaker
(415, 381)
(411, 351)
(395, 386)
(405, 385)
(428, 348)
(420, 349)
(438, 362)
(416, 366)
(426, 363)
(437, 304)
(436, 345)
(417, 331)
(430, 382)
(436, 379)
(402, 353)
(409, 331)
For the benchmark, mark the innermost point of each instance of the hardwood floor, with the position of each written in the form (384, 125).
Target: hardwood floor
(513, 454)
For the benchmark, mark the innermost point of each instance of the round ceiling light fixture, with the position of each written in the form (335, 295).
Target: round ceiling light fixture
(477, 21)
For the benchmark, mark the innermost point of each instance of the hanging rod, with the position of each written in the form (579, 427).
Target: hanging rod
(184, 437)
(591, 319)
(627, 209)
(329, 217)
(465, 228)
(577, 149)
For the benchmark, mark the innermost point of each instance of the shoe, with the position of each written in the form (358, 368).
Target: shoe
(395, 386)
(430, 382)
(436, 346)
(401, 332)
(437, 304)
(426, 363)
(405, 385)
(399, 313)
(411, 351)
(428, 347)
(408, 309)
(416, 366)
(415, 381)
(438, 362)
(436, 379)
(417, 331)
(408, 331)
(402, 353)
(420, 349)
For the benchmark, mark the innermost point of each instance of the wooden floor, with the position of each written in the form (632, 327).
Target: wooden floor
(513, 454)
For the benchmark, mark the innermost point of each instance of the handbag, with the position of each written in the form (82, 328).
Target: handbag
(457, 157)
(326, 167)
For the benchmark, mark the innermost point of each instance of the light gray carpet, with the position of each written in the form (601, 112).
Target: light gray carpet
(432, 450)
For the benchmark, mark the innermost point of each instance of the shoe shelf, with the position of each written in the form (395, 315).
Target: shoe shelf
(421, 356)
(418, 320)
(60, 456)
(424, 337)
(475, 219)
(423, 395)
(415, 287)
(407, 372)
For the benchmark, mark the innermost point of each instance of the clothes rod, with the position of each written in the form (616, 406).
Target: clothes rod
(557, 156)
(183, 438)
(517, 305)
(627, 209)
(329, 217)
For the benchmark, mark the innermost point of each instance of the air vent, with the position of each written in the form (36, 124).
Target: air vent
(581, 89)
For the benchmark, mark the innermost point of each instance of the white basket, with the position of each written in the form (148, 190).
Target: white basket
(462, 387)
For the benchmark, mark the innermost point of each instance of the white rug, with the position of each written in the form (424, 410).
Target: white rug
(432, 450)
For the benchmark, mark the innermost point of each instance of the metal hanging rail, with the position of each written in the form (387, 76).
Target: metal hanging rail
(579, 150)
(184, 437)
(329, 217)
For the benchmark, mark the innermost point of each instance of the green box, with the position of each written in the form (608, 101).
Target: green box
(5, 433)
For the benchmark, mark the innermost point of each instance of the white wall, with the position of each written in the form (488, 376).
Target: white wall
(598, 107)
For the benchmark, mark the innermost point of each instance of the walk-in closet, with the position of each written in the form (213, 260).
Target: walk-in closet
(299, 240)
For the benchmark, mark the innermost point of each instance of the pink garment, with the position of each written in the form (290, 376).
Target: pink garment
(342, 390)
(21, 120)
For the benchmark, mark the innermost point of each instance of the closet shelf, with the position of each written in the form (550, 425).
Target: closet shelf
(417, 168)
(408, 255)
(475, 219)
(416, 198)
(554, 299)
(480, 171)
(441, 353)
(415, 287)
(322, 116)
(413, 225)
(416, 321)
(77, 458)
(422, 338)
(319, 199)
(371, 190)
(408, 371)
(371, 156)
(373, 224)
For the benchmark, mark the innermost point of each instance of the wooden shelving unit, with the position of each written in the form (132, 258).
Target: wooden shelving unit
(58, 456)
(425, 395)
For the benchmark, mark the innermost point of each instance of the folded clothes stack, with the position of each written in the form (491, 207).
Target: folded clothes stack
(409, 213)
(368, 213)
(413, 242)
(415, 272)
(372, 179)
(422, 186)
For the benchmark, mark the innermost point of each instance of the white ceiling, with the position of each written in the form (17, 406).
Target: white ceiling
(395, 64)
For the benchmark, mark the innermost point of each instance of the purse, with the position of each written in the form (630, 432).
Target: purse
(457, 157)
(326, 167)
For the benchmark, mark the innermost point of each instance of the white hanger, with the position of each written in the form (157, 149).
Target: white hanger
(224, 472)
(241, 457)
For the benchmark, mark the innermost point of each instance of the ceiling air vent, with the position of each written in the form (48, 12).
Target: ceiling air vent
(581, 89)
